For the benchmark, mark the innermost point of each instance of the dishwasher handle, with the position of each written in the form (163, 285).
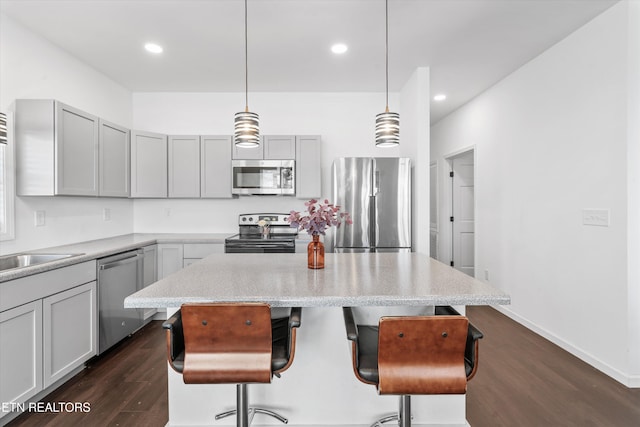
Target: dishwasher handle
(124, 261)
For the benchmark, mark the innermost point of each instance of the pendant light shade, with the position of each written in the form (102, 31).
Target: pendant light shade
(387, 129)
(387, 123)
(3, 128)
(246, 124)
(247, 129)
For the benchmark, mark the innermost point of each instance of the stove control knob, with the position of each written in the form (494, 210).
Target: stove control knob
(244, 219)
(250, 219)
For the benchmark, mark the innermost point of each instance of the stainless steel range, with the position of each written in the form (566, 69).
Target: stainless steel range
(276, 237)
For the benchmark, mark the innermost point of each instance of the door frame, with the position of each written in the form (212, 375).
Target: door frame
(449, 199)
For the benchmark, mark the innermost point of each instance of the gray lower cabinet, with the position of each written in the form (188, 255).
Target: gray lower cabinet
(308, 167)
(215, 166)
(194, 252)
(184, 166)
(21, 353)
(170, 257)
(148, 165)
(56, 149)
(149, 272)
(48, 328)
(69, 331)
(114, 160)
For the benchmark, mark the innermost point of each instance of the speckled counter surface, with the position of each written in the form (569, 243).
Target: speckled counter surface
(94, 249)
(283, 280)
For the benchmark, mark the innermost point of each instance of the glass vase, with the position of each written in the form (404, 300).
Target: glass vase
(315, 253)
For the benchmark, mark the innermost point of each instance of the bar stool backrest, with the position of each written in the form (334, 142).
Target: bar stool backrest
(227, 343)
(422, 355)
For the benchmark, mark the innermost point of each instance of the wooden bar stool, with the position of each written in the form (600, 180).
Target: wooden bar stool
(211, 343)
(418, 355)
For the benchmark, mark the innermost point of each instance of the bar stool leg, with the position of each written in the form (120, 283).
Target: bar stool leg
(242, 414)
(404, 414)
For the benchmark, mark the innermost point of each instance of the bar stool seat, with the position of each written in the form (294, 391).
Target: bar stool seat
(211, 343)
(405, 355)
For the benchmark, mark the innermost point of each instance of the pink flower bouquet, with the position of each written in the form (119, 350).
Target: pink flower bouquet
(320, 217)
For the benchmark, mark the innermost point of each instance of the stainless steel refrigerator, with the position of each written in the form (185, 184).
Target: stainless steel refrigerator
(377, 194)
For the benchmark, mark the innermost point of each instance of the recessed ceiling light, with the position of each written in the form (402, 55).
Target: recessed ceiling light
(440, 97)
(153, 48)
(339, 48)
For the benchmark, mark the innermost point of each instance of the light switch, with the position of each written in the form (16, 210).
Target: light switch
(106, 214)
(598, 217)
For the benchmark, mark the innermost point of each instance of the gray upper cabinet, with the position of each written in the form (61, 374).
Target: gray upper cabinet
(308, 167)
(184, 166)
(272, 147)
(148, 165)
(215, 166)
(114, 160)
(279, 147)
(57, 149)
(242, 153)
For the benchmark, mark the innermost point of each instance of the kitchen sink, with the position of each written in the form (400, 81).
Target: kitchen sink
(10, 262)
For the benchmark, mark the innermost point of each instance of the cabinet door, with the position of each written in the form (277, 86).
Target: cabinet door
(149, 273)
(20, 353)
(148, 164)
(76, 152)
(279, 147)
(215, 166)
(169, 259)
(69, 330)
(308, 167)
(243, 153)
(114, 160)
(184, 166)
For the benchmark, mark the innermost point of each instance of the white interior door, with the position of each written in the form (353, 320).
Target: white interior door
(463, 213)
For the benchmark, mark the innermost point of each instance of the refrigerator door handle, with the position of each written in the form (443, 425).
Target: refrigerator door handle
(372, 222)
(376, 183)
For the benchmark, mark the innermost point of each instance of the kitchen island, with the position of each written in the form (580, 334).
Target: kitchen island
(320, 388)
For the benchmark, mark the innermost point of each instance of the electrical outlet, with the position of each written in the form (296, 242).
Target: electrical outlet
(39, 218)
(106, 214)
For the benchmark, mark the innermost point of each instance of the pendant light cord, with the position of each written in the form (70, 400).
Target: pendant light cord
(386, 47)
(246, 61)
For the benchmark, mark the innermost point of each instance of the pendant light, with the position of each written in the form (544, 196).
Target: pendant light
(3, 128)
(246, 123)
(387, 123)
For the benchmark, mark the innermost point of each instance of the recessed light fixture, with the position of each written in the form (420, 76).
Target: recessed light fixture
(153, 48)
(440, 97)
(339, 48)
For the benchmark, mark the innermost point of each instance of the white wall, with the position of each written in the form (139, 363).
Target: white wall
(633, 190)
(31, 67)
(346, 122)
(551, 140)
(414, 134)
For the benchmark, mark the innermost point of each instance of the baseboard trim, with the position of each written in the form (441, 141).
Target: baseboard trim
(632, 381)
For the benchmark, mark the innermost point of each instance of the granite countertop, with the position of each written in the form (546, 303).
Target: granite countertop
(94, 249)
(283, 280)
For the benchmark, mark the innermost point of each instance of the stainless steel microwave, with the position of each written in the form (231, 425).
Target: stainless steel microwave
(275, 177)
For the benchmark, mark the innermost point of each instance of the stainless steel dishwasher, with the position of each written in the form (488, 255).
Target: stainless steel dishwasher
(118, 277)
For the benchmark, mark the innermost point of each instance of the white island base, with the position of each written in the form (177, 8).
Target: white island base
(319, 389)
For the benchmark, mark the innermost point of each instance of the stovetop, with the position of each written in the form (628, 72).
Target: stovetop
(281, 237)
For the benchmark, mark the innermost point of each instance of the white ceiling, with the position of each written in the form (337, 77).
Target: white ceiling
(469, 45)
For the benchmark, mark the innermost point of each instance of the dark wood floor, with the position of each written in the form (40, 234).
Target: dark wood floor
(523, 380)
